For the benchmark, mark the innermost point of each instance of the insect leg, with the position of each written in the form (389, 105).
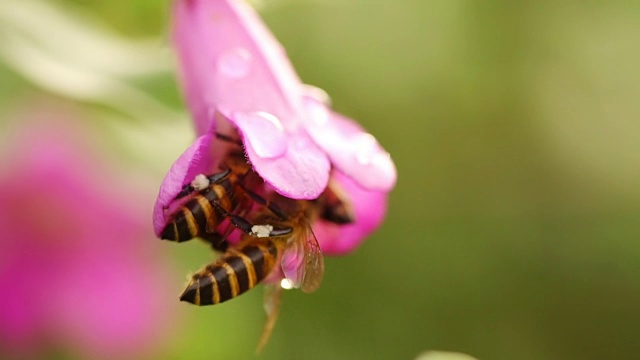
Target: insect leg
(228, 138)
(215, 178)
(272, 295)
(186, 190)
(218, 241)
(273, 207)
(245, 226)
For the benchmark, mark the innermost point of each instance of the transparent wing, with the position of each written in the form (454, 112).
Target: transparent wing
(302, 261)
(272, 295)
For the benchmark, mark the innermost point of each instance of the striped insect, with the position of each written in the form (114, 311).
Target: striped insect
(208, 200)
(290, 251)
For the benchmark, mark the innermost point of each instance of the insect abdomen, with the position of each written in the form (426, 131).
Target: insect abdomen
(233, 274)
(199, 215)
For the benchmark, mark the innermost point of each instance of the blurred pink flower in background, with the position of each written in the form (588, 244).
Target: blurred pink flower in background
(73, 249)
(233, 66)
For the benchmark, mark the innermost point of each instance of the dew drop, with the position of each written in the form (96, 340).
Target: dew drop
(317, 112)
(265, 133)
(317, 94)
(235, 63)
(286, 284)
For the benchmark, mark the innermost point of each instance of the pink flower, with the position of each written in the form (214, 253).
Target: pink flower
(71, 255)
(233, 69)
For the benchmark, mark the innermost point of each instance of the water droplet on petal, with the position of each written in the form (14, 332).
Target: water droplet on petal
(235, 63)
(317, 112)
(316, 93)
(286, 284)
(367, 148)
(264, 132)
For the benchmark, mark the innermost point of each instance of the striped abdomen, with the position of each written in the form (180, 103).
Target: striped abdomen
(234, 273)
(200, 214)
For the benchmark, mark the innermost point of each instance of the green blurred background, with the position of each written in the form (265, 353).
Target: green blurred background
(514, 229)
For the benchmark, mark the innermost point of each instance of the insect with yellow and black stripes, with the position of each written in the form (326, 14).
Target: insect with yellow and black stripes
(208, 200)
(292, 253)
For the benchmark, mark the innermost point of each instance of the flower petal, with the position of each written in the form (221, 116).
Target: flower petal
(197, 159)
(351, 149)
(301, 173)
(231, 62)
(264, 131)
(67, 212)
(370, 208)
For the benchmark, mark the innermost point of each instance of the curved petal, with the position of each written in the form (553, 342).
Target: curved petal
(351, 150)
(301, 173)
(197, 159)
(231, 62)
(370, 208)
(264, 131)
(115, 307)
